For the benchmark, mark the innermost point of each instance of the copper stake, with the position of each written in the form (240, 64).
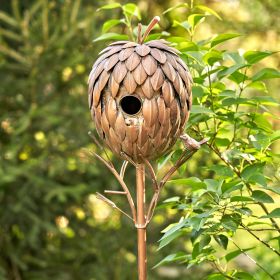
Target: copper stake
(141, 222)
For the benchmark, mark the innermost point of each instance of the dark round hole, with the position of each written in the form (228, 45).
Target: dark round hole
(130, 104)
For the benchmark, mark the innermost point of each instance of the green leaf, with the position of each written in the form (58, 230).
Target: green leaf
(261, 196)
(176, 7)
(174, 228)
(195, 19)
(222, 170)
(216, 276)
(198, 91)
(169, 239)
(266, 73)
(212, 56)
(230, 70)
(231, 221)
(253, 57)
(222, 142)
(131, 9)
(197, 109)
(208, 10)
(214, 185)
(258, 85)
(243, 275)
(262, 123)
(193, 182)
(183, 24)
(171, 258)
(245, 211)
(111, 36)
(240, 198)
(275, 136)
(273, 214)
(222, 240)
(250, 170)
(110, 6)
(222, 38)
(233, 101)
(236, 253)
(204, 241)
(111, 23)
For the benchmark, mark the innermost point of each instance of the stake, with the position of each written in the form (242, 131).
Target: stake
(141, 222)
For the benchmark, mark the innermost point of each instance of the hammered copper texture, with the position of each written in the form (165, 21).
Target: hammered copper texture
(155, 74)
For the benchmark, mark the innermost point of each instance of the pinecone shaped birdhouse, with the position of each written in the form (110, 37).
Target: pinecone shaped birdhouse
(140, 97)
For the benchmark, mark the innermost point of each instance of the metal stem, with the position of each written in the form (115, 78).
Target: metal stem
(141, 222)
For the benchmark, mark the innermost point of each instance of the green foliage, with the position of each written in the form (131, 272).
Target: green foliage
(238, 122)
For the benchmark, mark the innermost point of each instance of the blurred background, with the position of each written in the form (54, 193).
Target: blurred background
(51, 224)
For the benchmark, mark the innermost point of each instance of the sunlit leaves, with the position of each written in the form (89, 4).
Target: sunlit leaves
(253, 57)
(273, 214)
(223, 38)
(208, 10)
(110, 24)
(110, 6)
(261, 196)
(266, 73)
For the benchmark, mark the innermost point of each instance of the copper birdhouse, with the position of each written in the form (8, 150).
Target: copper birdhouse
(140, 97)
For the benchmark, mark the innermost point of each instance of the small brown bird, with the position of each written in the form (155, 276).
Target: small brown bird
(190, 143)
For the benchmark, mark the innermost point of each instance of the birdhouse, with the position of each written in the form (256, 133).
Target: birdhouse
(140, 97)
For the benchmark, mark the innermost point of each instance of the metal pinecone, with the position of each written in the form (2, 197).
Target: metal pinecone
(154, 73)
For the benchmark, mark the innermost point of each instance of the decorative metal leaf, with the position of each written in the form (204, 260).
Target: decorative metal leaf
(129, 45)
(94, 74)
(142, 50)
(174, 112)
(150, 112)
(114, 86)
(158, 55)
(148, 89)
(114, 141)
(132, 133)
(143, 136)
(149, 64)
(125, 53)
(167, 93)
(159, 44)
(103, 79)
(127, 146)
(96, 94)
(105, 125)
(132, 62)
(169, 71)
(119, 72)
(161, 110)
(119, 43)
(157, 79)
(184, 76)
(129, 83)
(107, 54)
(172, 60)
(111, 62)
(111, 111)
(178, 84)
(139, 74)
(120, 126)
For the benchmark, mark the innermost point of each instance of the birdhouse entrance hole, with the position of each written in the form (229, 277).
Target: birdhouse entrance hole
(131, 105)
